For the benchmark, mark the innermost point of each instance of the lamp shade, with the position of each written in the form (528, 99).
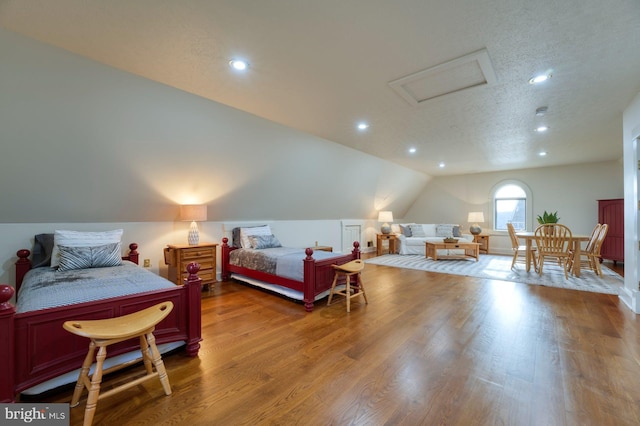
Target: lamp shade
(475, 217)
(385, 216)
(193, 212)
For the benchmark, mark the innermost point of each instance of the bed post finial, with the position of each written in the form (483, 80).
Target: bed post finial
(7, 367)
(133, 253)
(356, 250)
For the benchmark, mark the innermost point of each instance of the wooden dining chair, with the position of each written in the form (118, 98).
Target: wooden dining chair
(590, 256)
(520, 251)
(553, 241)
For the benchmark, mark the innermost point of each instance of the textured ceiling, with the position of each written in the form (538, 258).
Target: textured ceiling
(323, 66)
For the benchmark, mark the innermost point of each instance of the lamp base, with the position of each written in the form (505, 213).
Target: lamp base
(475, 229)
(194, 236)
(385, 229)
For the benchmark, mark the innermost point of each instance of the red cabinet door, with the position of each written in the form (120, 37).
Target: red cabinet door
(611, 212)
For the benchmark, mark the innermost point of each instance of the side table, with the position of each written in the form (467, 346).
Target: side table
(483, 240)
(392, 241)
(177, 257)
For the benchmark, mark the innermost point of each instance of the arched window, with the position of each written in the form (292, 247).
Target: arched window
(511, 203)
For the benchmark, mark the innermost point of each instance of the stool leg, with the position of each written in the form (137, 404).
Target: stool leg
(146, 358)
(364, 293)
(157, 361)
(348, 294)
(333, 286)
(94, 390)
(83, 375)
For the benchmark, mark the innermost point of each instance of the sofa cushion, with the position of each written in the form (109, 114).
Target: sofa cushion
(429, 229)
(446, 230)
(405, 229)
(417, 231)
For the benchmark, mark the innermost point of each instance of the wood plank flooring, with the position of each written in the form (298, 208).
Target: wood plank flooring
(429, 348)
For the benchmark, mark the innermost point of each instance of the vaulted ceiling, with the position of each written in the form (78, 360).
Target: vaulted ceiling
(449, 79)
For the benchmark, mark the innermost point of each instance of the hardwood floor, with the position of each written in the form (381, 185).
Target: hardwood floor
(428, 349)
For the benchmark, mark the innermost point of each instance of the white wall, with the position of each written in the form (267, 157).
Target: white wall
(631, 132)
(573, 191)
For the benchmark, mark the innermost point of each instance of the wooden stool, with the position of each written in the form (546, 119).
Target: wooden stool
(113, 330)
(348, 270)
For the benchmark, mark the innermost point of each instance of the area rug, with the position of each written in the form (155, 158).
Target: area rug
(499, 268)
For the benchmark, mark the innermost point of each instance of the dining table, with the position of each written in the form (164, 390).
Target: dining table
(574, 242)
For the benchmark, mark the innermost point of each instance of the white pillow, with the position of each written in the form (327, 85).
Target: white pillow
(429, 229)
(82, 239)
(245, 233)
(417, 231)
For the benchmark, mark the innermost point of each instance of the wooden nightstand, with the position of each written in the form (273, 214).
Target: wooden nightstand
(177, 257)
(391, 238)
(322, 248)
(483, 240)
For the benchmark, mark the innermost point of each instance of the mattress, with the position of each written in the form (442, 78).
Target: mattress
(46, 287)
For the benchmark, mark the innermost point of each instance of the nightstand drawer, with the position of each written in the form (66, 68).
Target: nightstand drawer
(193, 254)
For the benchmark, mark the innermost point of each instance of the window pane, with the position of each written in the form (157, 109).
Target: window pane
(510, 210)
(510, 191)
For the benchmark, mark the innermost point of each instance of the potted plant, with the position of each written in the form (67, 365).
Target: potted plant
(548, 218)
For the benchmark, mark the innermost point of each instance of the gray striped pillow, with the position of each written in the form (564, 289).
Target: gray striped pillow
(89, 257)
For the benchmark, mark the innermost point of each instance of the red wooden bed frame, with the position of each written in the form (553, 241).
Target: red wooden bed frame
(318, 274)
(36, 348)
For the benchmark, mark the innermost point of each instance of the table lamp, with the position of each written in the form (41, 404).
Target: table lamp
(194, 213)
(385, 217)
(474, 218)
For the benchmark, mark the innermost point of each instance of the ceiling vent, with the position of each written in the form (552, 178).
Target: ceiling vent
(463, 73)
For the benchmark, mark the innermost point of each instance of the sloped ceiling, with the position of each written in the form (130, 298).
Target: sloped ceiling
(323, 66)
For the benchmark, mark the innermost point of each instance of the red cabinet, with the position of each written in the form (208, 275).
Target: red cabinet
(611, 212)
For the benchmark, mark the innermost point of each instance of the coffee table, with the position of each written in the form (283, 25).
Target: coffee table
(471, 250)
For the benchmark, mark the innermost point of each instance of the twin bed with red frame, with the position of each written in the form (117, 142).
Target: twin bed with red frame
(35, 348)
(318, 274)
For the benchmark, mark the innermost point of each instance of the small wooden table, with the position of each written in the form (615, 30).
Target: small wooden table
(322, 248)
(483, 240)
(393, 241)
(471, 250)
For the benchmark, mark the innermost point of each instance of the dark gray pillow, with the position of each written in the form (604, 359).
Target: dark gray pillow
(42, 249)
(235, 237)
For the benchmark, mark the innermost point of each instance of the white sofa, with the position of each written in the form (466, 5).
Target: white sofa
(412, 237)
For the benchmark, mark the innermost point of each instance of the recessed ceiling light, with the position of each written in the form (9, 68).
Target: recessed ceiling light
(412, 150)
(363, 126)
(238, 64)
(542, 153)
(441, 164)
(541, 129)
(539, 78)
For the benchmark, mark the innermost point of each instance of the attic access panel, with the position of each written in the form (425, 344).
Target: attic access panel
(459, 74)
